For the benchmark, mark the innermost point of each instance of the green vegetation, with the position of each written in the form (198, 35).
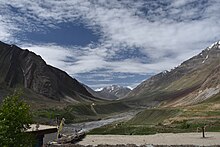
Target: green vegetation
(214, 99)
(110, 108)
(168, 120)
(176, 127)
(144, 123)
(124, 129)
(15, 118)
(80, 112)
(74, 113)
(153, 116)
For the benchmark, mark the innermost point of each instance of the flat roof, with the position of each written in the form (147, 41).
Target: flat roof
(41, 129)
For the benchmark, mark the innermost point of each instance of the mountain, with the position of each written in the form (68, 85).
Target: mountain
(194, 81)
(112, 92)
(24, 69)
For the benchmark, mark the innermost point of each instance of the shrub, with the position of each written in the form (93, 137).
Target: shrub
(15, 118)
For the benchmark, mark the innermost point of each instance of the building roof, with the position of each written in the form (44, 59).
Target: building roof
(41, 129)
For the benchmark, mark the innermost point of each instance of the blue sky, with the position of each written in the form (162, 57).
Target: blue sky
(105, 42)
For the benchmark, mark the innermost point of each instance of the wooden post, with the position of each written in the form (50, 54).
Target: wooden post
(203, 131)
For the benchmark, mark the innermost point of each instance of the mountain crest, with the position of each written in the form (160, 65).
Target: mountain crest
(22, 68)
(112, 92)
(195, 80)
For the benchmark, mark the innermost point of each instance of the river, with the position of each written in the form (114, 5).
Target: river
(87, 126)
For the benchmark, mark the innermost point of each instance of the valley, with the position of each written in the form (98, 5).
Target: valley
(110, 73)
(182, 100)
(88, 126)
(76, 113)
(169, 120)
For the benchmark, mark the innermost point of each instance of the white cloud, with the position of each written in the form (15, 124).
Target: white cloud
(53, 54)
(167, 34)
(6, 30)
(4, 33)
(180, 3)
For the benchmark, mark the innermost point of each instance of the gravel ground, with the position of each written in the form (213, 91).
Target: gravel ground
(212, 138)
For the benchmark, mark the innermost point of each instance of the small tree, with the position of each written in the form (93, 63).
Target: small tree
(15, 118)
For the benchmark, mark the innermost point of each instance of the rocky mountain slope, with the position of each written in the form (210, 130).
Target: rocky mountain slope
(25, 69)
(112, 92)
(194, 81)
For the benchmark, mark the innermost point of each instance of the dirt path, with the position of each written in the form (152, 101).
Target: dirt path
(213, 138)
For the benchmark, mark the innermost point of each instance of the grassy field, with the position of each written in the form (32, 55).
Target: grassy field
(167, 120)
(79, 112)
(144, 123)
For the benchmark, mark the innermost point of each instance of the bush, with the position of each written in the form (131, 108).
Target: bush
(185, 125)
(15, 118)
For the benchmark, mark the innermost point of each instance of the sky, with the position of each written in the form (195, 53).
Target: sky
(106, 42)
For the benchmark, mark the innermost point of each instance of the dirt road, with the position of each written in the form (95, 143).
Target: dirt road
(213, 138)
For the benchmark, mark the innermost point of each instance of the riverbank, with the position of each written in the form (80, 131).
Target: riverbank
(87, 126)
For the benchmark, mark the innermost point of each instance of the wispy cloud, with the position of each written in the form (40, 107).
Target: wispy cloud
(164, 33)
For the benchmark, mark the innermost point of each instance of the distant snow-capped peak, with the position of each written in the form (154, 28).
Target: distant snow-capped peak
(113, 88)
(99, 89)
(129, 87)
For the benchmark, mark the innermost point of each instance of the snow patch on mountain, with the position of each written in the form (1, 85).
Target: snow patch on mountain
(129, 87)
(207, 56)
(113, 91)
(216, 43)
(99, 89)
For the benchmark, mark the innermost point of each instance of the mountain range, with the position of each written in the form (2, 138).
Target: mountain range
(26, 70)
(192, 82)
(112, 92)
